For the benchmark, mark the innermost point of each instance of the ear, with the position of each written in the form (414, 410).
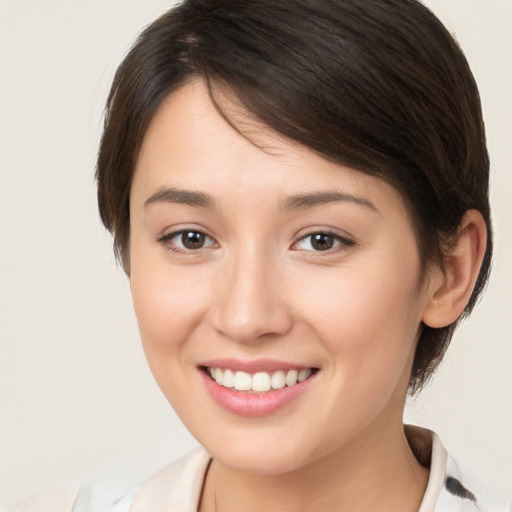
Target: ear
(449, 291)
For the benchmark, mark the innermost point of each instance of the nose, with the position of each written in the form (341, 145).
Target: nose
(251, 304)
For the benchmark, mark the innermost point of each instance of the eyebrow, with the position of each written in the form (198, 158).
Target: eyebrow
(296, 202)
(305, 201)
(181, 196)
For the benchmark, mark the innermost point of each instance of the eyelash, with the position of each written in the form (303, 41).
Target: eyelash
(166, 239)
(344, 242)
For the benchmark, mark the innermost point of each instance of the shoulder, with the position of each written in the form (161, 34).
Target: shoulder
(101, 496)
(461, 491)
(449, 487)
(177, 487)
(457, 489)
(54, 501)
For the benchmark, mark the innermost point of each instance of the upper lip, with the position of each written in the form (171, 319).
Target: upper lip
(254, 366)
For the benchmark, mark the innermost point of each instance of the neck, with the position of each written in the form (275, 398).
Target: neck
(376, 472)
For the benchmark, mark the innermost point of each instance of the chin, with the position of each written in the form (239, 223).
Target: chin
(265, 453)
(258, 463)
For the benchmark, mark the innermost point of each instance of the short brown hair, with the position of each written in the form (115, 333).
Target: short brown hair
(380, 86)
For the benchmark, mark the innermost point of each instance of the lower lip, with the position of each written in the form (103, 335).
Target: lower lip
(254, 404)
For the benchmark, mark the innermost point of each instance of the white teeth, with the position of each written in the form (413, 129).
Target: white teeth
(259, 382)
(304, 374)
(242, 381)
(291, 377)
(278, 380)
(217, 375)
(229, 379)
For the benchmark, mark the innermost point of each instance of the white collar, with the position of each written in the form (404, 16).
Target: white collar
(177, 488)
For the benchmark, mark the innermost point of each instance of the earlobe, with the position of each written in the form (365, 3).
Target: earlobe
(451, 289)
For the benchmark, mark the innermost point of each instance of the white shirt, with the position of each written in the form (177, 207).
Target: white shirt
(177, 487)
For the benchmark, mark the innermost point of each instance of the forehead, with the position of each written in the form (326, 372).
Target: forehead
(189, 144)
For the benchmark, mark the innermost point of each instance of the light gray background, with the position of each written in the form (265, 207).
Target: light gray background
(77, 401)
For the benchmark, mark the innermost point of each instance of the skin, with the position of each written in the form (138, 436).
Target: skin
(258, 289)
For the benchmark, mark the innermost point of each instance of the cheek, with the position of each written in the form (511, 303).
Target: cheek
(355, 304)
(369, 328)
(168, 306)
(367, 317)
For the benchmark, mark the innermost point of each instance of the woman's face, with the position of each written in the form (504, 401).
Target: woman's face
(274, 262)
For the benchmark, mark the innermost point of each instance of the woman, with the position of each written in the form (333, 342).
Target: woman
(298, 192)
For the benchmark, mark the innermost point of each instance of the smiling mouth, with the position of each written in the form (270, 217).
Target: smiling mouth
(260, 382)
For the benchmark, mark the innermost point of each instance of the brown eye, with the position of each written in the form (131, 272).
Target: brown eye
(322, 241)
(192, 239)
(187, 240)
